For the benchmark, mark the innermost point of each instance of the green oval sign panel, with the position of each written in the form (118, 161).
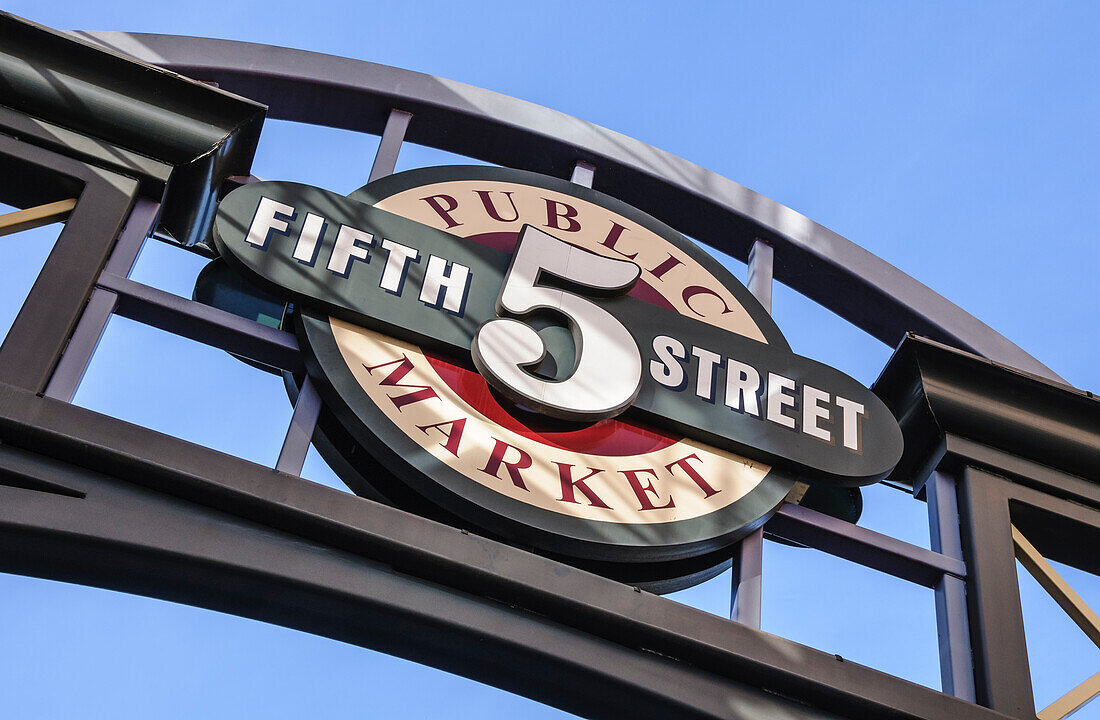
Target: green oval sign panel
(550, 364)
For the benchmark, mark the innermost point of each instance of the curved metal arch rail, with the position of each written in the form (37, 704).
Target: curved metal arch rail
(92, 499)
(356, 95)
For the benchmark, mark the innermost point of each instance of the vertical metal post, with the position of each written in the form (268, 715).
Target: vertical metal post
(292, 456)
(761, 262)
(748, 579)
(956, 666)
(748, 559)
(139, 226)
(70, 369)
(307, 408)
(1002, 675)
(385, 159)
(583, 173)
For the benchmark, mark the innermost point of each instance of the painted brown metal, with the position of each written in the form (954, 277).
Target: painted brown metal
(36, 217)
(813, 260)
(91, 499)
(1026, 452)
(123, 114)
(287, 551)
(50, 313)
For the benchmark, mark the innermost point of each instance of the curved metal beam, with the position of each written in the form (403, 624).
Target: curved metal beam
(356, 95)
(90, 499)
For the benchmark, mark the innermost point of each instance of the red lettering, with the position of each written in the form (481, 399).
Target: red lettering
(444, 212)
(454, 435)
(496, 460)
(693, 290)
(490, 206)
(659, 271)
(404, 367)
(553, 214)
(692, 473)
(568, 485)
(613, 236)
(644, 491)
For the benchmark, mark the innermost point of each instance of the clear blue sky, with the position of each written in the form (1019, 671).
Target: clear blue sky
(957, 142)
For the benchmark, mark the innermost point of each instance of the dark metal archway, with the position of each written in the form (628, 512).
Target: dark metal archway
(340, 92)
(91, 499)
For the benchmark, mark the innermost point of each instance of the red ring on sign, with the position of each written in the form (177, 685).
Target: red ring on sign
(614, 437)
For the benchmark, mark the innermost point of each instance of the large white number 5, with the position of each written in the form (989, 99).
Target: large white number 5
(607, 374)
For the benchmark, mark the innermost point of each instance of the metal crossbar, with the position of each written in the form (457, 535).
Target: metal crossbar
(279, 348)
(863, 546)
(1056, 586)
(1078, 610)
(203, 323)
(115, 293)
(1076, 699)
(38, 216)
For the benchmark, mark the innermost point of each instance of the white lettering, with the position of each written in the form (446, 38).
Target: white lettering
(812, 411)
(266, 219)
(348, 248)
(305, 251)
(742, 387)
(397, 260)
(704, 381)
(778, 399)
(453, 285)
(666, 369)
(852, 412)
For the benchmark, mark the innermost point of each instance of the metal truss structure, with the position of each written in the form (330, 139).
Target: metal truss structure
(1005, 454)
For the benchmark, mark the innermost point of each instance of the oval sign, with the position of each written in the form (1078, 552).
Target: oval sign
(550, 363)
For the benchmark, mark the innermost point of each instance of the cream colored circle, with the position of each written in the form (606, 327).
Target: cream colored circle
(672, 492)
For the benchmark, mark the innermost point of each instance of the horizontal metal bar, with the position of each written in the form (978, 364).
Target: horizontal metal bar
(280, 349)
(204, 324)
(127, 537)
(863, 546)
(1074, 700)
(20, 220)
(532, 599)
(825, 267)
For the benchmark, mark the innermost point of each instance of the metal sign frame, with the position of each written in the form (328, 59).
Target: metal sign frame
(91, 499)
